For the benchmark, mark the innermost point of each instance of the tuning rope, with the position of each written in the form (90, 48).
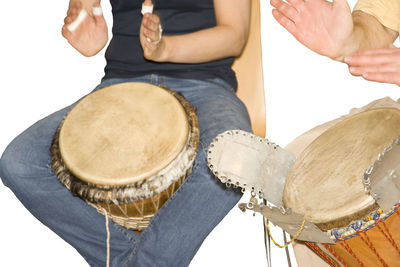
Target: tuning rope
(291, 240)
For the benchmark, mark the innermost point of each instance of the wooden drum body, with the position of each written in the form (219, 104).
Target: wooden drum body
(126, 149)
(328, 185)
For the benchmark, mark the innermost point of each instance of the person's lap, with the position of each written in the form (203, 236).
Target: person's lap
(176, 231)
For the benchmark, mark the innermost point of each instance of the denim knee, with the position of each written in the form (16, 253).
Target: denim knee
(21, 161)
(5, 166)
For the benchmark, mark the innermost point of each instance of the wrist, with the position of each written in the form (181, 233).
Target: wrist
(350, 45)
(165, 49)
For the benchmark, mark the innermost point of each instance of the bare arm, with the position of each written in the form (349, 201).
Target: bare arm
(226, 39)
(382, 62)
(329, 28)
(368, 33)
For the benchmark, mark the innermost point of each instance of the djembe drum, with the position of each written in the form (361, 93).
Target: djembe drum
(125, 149)
(330, 185)
(336, 187)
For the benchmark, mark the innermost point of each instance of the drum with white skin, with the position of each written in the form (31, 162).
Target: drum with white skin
(336, 187)
(125, 149)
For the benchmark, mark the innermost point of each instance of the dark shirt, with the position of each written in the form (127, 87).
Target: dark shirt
(124, 55)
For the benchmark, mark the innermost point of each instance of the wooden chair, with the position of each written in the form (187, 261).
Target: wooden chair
(248, 68)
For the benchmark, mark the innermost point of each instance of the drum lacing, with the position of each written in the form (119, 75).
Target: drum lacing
(266, 221)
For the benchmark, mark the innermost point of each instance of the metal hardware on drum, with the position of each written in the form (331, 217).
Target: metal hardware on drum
(268, 165)
(383, 175)
(265, 163)
(364, 209)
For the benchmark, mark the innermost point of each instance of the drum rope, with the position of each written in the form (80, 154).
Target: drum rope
(328, 248)
(368, 242)
(327, 257)
(351, 252)
(388, 236)
(291, 240)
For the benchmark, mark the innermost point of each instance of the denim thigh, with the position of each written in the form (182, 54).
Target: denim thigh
(176, 231)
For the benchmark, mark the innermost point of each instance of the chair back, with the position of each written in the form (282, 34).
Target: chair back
(249, 73)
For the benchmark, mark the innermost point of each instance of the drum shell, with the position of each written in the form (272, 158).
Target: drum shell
(377, 246)
(137, 215)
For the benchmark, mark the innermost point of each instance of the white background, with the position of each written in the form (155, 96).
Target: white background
(41, 73)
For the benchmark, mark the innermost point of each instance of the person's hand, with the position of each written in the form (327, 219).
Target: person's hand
(151, 36)
(90, 35)
(379, 65)
(322, 26)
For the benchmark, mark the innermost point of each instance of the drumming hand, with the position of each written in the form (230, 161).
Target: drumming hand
(324, 27)
(151, 36)
(87, 34)
(379, 65)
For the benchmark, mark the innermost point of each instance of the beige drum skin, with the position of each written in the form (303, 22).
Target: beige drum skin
(325, 186)
(126, 148)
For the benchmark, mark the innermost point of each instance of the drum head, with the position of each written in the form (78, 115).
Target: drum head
(123, 134)
(325, 183)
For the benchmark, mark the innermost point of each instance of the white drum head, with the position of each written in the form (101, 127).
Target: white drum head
(123, 134)
(325, 183)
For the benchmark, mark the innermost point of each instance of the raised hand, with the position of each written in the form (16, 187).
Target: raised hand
(322, 26)
(379, 65)
(151, 36)
(88, 36)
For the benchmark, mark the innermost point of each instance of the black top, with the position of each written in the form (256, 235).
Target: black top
(124, 55)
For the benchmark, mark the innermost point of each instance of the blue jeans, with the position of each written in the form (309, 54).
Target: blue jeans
(176, 231)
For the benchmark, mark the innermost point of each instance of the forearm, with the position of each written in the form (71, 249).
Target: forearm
(205, 45)
(226, 39)
(368, 33)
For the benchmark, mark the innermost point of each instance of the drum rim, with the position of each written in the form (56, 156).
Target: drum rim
(345, 221)
(123, 194)
(362, 225)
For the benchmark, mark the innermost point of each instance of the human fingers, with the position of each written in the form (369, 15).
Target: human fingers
(372, 59)
(151, 28)
(78, 20)
(147, 7)
(385, 77)
(377, 51)
(97, 12)
(74, 9)
(284, 21)
(67, 20)
(296, 3)
(65, 32)
(360, 70)
(151, 22)
(72, 13)
(287, 10)
(150, 47)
